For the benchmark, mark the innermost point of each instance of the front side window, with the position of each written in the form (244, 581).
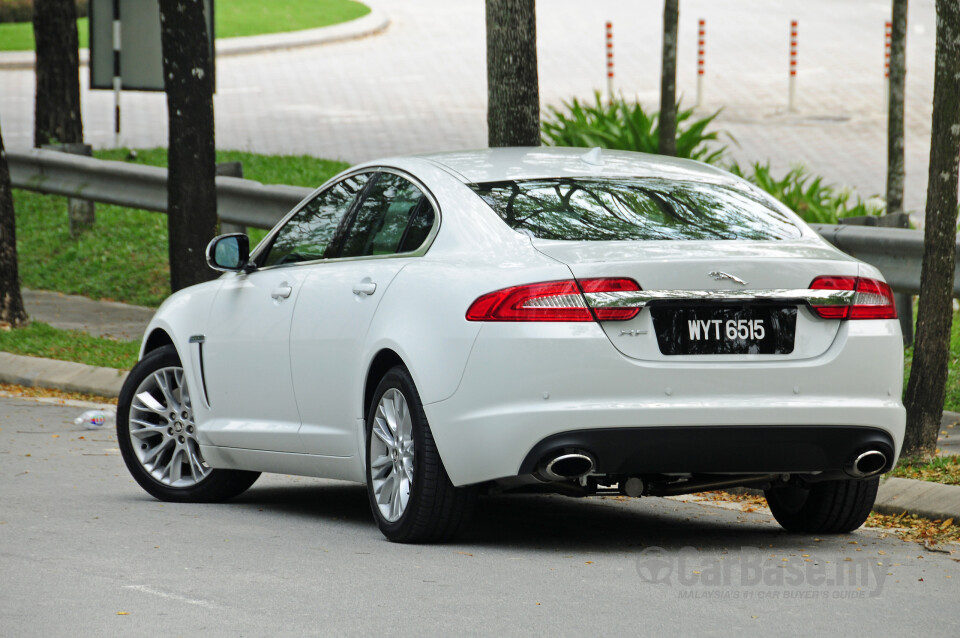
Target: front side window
(310, 233)
(394, 217)
(590, 209)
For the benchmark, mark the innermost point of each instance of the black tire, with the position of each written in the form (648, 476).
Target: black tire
(173, 447)
(830, 507)
(436, 511)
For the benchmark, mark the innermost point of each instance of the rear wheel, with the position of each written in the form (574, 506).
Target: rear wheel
(158, 438)
(830, 507)
(411, 496)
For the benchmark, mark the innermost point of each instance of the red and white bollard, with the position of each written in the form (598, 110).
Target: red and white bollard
(701, 39)
(887, 38)
(609, 63)
(791, 104)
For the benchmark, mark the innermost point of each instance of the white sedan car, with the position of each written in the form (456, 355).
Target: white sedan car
(537, 319)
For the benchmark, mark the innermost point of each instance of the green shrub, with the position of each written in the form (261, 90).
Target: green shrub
(627, 127)
(808, 196)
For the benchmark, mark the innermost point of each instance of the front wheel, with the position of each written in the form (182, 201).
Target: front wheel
(829, 507)
(411, 496)
(158, 438)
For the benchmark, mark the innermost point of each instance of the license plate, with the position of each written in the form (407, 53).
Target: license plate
(716, 329)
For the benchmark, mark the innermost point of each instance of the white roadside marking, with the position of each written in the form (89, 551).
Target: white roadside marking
(162, 594)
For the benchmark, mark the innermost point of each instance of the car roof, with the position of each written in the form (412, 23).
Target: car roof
(515, 163)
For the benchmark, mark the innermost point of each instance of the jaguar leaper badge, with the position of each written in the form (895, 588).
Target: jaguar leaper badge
(720, 275)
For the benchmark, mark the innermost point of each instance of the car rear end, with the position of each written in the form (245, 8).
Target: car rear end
(705, 337)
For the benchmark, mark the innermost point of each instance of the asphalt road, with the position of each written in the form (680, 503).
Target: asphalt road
(83, 551)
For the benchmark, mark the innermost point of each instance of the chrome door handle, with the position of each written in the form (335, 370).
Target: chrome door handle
(364, 288)
(282, 291)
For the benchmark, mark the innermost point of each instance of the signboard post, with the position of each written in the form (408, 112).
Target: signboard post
(125, 50)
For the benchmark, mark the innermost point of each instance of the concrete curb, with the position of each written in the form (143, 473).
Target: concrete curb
(923, 498)
(373, 23)
(60, 375)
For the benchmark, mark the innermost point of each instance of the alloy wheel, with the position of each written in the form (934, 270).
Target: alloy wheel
(391, 455)
(162, 430)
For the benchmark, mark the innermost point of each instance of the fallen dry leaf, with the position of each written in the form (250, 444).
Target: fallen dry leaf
(26, 391)
(914, 529)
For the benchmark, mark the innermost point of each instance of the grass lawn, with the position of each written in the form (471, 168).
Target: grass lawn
(40, 340)
(18, 36)
(253, 17)
(942, 469)
(232, 18)
(952, 402)
(124, 256)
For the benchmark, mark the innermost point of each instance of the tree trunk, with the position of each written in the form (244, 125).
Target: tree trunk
(11, 303)
(513, 104)
(668, 79)
(57, 105)
(898, 74)
(926, 389)
(191, 162)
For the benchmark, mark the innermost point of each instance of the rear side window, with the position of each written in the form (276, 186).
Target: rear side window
(586, 209)
(394, 217)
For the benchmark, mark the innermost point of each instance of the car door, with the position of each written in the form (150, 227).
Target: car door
(391, 226)
(247, 353)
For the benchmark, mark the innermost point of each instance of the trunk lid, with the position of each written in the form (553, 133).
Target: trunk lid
(709, 270)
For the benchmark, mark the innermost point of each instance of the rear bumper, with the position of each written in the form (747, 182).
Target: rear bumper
(525, 383)
(765, 449)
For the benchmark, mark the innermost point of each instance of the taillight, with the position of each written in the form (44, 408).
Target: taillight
(611, 285)
(551, 301)
(872, 299)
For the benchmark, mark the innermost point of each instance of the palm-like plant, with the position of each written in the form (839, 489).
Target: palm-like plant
(622, 125)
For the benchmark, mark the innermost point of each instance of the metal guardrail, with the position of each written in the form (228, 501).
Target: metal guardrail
(896, 252)
(239, 201)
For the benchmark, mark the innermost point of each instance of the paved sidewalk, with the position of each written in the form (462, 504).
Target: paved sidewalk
(421, 84)
(119, 321)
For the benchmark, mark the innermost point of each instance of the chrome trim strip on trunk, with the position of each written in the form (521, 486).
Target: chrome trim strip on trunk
(640, 298)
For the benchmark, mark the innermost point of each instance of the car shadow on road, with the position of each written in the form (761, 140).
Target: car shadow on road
(597, 524)
(547, 522)
(323, 500)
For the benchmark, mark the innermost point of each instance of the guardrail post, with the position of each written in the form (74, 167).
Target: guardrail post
(231, 169)
(903, 300)
(80, 211)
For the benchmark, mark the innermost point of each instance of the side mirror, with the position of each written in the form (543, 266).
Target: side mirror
(229, 253)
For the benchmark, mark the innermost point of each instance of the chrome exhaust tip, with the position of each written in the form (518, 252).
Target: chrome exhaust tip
(867, 464)
(566, 466)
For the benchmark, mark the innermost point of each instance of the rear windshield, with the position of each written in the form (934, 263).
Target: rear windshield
(588, 209)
